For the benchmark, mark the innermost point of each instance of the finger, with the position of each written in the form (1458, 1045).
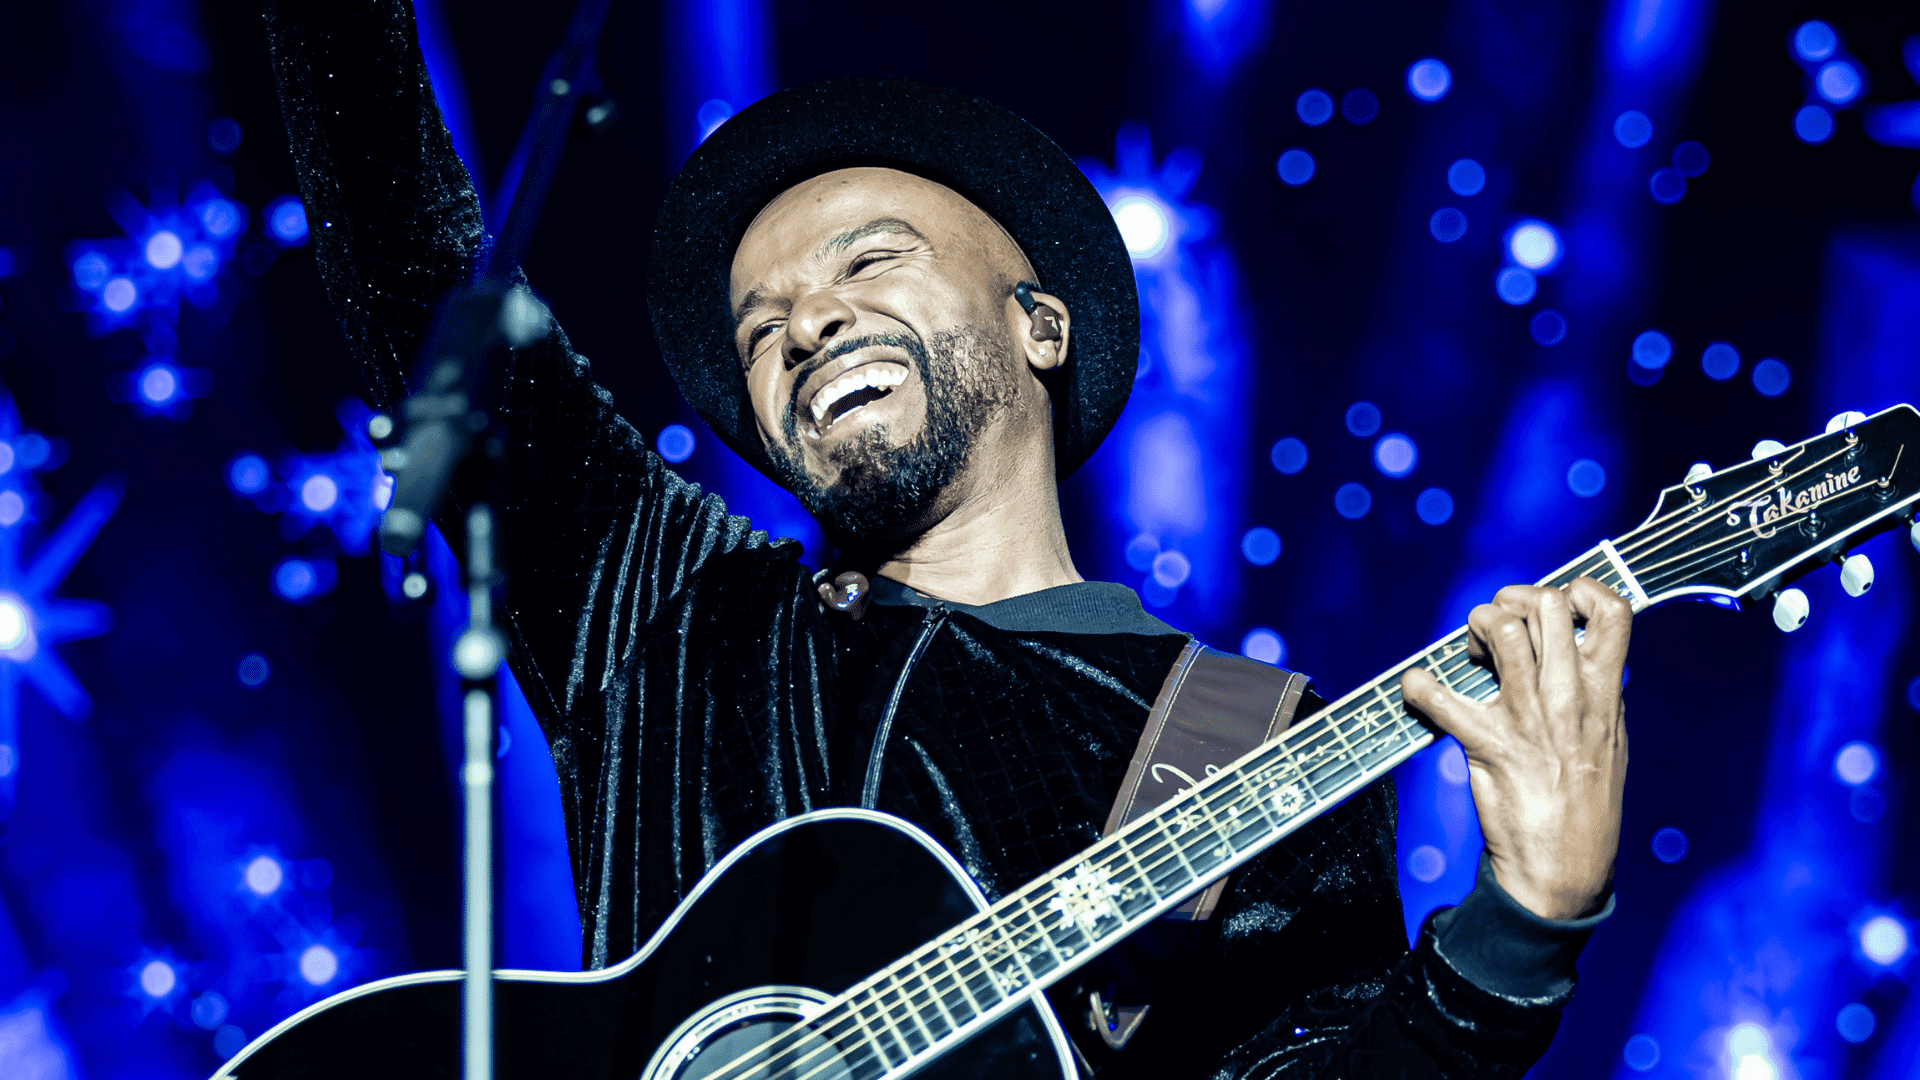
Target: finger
(1609, 621)
(1552, 624)
(1514, 661)
(1480, 623)
(1452, 712)
(1524, 601)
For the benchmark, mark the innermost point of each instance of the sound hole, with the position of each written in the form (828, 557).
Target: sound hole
(815, 1060)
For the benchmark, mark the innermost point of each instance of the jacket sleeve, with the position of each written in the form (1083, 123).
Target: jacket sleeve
(1305, 973)
(598, 534)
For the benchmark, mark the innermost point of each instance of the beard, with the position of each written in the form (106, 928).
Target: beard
(884, 491)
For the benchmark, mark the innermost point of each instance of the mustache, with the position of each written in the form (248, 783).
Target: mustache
(905, 342)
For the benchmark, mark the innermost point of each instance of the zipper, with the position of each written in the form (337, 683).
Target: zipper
(930, 625)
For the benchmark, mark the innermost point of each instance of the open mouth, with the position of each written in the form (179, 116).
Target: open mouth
(863, 385)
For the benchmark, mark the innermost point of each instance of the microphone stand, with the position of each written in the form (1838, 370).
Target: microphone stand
(439, 423)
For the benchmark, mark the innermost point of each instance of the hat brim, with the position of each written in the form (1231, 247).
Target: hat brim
(994, 159)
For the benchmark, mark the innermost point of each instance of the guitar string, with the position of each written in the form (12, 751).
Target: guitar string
(1026, 919)
(1680, 514)
(1705, 555)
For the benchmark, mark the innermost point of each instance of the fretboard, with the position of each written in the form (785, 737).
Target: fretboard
(985, 967)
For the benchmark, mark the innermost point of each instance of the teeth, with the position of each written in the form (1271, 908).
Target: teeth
(881, 375)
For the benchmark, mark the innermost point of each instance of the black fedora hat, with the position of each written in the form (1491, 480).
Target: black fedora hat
(999, 162)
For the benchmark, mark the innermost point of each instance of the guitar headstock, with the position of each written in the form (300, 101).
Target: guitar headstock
(1748, 530)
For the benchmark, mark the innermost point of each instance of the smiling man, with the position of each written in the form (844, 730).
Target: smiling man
(908, 306)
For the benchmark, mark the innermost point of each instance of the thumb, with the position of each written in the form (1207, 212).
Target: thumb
(1451, 711)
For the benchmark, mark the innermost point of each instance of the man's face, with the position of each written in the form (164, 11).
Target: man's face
(873, 319)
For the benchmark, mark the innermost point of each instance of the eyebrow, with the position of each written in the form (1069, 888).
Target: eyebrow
(841, 242)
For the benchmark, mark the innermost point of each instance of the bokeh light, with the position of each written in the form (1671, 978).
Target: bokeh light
(1516, 285)
(1359, 106)
(1447, 224)
(1466, 177)
(1884, 940)
(319, 492)
(675, 442)
(119, 294)
(711, 114)
(1143, 225)
(158, 383)
(248, 475)
(1434, 506)
(1667, 186)
(1315, 107)
(1691, 158)
(1429, 80)
(164, 249)
(1838, 82)
(1813, 124)
(1534, 245)
(319, 965)
(1633, 129)
(296, 579)
(158, 979)
(264, 875)
(1669, 845)
(287, 221)
(1548, 327)
(1352, 501)
(1295, 167)
(1586, 478)
(1451, 762)
(1260, 545)
(1641, 1053)
(1289, 456)
(1171, 569)
(1363, 418)
(1771, 377)
(1426, 863)
(1395, 455)
(1854, 1022)
(1263, 645)
(1815, 41)
(1856, 763)
(1652, 349)
(1720, 361)
(253, 670)
(223, 135)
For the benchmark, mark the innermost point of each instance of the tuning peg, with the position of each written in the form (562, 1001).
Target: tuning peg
(1790, 609)
(1844, 420)
(1856, 574)
(1699, 471)
(1767, 448)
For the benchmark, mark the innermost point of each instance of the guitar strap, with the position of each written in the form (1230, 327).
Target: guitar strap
(1213, 708)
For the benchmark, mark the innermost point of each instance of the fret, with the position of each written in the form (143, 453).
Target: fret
(895, 1003)
(957, 1007)
(884, 1041)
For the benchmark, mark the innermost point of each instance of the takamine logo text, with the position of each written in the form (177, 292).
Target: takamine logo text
(1779, 503)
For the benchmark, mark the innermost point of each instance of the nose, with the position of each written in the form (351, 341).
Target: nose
(816, 320)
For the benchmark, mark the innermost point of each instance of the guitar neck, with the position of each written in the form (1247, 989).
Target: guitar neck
(970, 976)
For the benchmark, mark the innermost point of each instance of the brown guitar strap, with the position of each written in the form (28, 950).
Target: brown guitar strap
(1213, 708)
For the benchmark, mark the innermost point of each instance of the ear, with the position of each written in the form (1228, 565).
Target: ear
(1042, 332)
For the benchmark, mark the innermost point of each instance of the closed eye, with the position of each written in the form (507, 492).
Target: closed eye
(760, 334)
(869, 258)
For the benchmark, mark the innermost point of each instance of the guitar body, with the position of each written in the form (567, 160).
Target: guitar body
(791, 918)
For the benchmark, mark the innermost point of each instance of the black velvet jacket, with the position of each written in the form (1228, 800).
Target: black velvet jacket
(693, 689)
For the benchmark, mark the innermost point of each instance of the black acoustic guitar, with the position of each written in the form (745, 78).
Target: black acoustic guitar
(846, 945)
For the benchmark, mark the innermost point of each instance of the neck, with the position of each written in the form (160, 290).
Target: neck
(1002, 538)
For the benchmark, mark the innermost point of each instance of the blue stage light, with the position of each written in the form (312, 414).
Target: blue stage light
(1427, 863)
(1352, 501)
(1751, 1050)
(1171, 569)
(1864, 804)
(1548, 327)
(1434, 506)
(1667, 186)
(1395, 455)
(1897, 124)
(164, 249)
(1289, 456)
(1295, 167)
(1141, 551)
(1586, 478)
(295, 579)
(712, 113)
(1771, 377)
(1515, 285)
(158, 979)
(90, 271)
(253, 670)
(221, 218)
(1451, 762)
(1838, 82)
(1263, 645)
(1720, 361)
(1429, 80)
(1815, 41)
(16, 628)
(319, 493)
(1363, 418)
(248, 474)
(319, 965)
(1652, 349)
(228, 1041)
(1641, 1053)
(1856, 763)
(1884, 940)
(1813, 124)
(1669, 845)
(1691, 158)
(1855, 1022)
(209, 1010)
(675, 442)
(1913, 694)
(158, 383)
(287, 221)
(1260, 545)
(1143, 225)
(1447, 224)
(200, 262)
(223, 135)
(119, 294)
(1466, 177)
(1315, 107)
(264, 875)
(1633, 129)
(1534, 245)
(1359, 106)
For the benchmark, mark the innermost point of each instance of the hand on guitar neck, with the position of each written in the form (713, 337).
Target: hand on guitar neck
(1548, 753)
